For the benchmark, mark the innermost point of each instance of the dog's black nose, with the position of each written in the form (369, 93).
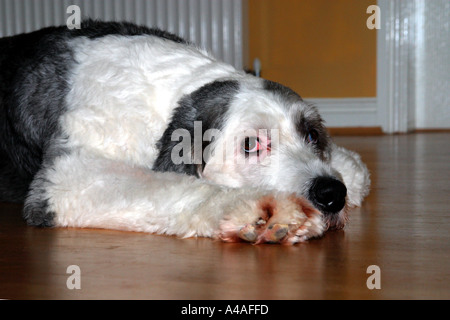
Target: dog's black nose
(328, 194)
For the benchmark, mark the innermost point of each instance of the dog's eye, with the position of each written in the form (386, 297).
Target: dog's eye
(312, 137)
(251, 144)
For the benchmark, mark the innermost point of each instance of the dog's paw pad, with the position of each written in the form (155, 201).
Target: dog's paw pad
(275, 233)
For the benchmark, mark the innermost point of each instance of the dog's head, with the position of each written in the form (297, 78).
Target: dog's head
(256, 133)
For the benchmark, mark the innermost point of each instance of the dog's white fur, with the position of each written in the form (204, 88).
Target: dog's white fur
(123, 92)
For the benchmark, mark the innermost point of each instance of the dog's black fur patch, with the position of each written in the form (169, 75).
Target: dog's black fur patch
(33, 85)
(208, 105)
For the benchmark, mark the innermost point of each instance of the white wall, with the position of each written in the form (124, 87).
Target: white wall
(413, 65)
(432, 70)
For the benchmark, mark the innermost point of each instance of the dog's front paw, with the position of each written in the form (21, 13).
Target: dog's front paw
(279, 218)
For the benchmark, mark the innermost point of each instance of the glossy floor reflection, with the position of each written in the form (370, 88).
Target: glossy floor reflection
(403, 227)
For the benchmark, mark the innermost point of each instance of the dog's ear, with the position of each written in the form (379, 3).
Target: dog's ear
(201, 110)
(354, 173)
(311, 127)
(309, 123)
(285, 92)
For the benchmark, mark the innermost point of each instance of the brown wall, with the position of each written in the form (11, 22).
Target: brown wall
(320, 48)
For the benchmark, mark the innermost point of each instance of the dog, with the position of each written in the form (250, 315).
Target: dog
(126, 127)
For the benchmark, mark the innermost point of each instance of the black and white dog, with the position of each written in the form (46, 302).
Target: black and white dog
(125, 127)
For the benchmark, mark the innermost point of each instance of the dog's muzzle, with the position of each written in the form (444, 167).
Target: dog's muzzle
(328, 194)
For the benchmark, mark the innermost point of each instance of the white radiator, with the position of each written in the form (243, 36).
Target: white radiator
(216, 25)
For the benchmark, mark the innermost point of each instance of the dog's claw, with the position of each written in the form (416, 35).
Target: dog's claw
(273, 234)
(248, 233)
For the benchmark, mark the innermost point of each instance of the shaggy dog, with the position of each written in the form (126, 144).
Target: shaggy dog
(125, 127)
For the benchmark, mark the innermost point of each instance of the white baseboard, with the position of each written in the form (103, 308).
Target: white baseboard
(347, 112)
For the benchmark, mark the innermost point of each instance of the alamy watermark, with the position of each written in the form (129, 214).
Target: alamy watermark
(374, 21)
(374, 280)
(213, 146)
(74, 280)
(74, 20)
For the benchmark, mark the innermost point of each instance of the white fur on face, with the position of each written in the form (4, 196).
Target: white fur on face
(285, 161)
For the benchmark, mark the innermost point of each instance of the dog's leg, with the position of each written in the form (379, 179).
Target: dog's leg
(354, 173)
(86, 191)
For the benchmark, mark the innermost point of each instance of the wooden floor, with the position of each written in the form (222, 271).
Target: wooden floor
(403, 227)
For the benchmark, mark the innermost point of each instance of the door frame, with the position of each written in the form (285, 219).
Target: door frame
(396, 40)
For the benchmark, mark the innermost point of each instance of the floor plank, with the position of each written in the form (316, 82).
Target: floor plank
(402, 227)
